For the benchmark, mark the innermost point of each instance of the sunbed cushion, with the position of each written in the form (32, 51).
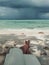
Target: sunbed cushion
(15, 57)
(31, 60)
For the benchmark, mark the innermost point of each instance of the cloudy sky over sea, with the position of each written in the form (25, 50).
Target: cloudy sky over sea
(24, 9)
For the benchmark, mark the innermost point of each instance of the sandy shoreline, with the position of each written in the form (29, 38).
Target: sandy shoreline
(37, 37)
(25, 31)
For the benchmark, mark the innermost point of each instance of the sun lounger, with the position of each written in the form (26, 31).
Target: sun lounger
(16, 57)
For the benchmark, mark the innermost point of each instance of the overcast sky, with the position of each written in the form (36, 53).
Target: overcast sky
(24, 9)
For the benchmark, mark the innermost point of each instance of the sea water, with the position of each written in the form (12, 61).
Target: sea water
(20, 24)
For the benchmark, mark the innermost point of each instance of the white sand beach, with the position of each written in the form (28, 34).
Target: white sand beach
(25, 31)
(25, 34)
(39, 38)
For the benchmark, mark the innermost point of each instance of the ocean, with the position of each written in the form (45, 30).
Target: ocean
(20, 24)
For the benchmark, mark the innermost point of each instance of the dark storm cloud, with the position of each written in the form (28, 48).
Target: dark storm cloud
(16, 3)
(24, 9)
(44, 15)
(24, 3)
(18, 13)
